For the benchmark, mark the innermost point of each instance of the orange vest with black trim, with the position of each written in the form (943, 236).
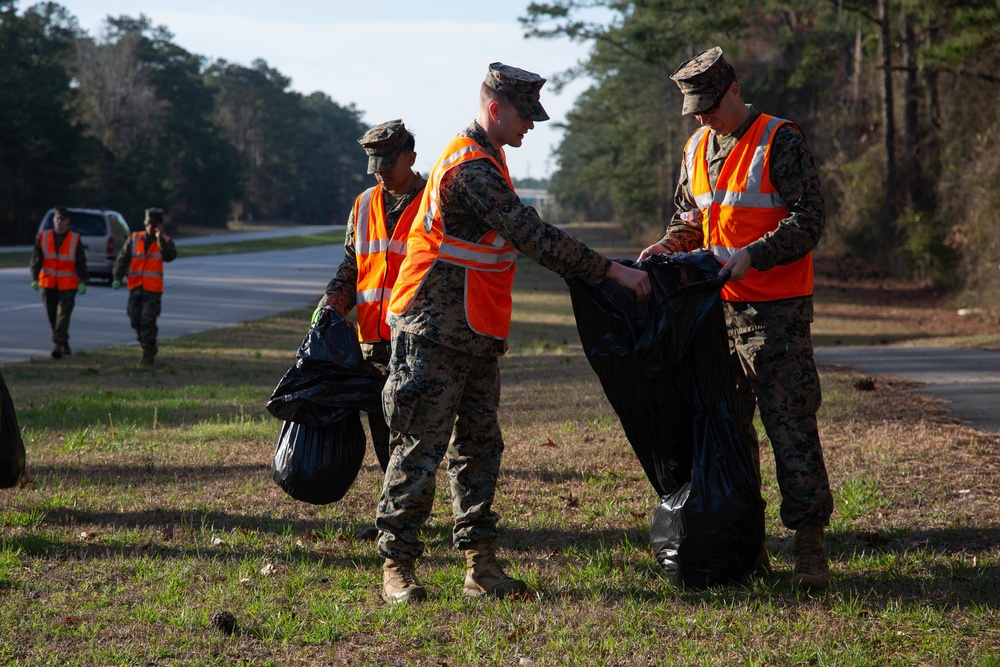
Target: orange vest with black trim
(743, 207)
(146, 267)
(489, 263)
(58, 264)
(378, 256)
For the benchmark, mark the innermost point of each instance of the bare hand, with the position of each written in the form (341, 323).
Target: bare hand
(633, 279)
(655, 249)
(738, 266)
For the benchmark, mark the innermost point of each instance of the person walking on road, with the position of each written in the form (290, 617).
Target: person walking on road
(450, 313)
(374, 247)
(59, 269)
(141, 259)
(749, 191)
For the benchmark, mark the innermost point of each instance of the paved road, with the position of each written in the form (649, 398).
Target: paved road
(968, 379)
(200, 293)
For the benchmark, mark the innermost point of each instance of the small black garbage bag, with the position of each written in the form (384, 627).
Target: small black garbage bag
(322, 444)
(664, 366)
(330, 378)
(318, 464)
(11, 444)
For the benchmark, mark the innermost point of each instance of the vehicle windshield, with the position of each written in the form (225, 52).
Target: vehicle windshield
(84, 224)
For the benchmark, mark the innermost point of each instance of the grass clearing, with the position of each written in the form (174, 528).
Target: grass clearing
(152, 508)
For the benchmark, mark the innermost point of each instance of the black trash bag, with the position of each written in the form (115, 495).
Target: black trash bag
(330, 378)
(321, 445)
(318, 464)
(664, 366)
(11, 444)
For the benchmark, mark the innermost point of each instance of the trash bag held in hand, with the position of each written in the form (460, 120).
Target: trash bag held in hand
(664, 366)
(330, 378)
(321, 444)
(318, 464)
(11, 444)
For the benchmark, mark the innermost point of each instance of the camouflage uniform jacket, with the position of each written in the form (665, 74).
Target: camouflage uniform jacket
(341, 291)
(123, 263)
(474, 199)
(794, 174)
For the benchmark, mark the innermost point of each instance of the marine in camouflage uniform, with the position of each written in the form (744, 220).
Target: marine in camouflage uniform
(443, 390)
(770, 341)
(385, 144)
(144, 305)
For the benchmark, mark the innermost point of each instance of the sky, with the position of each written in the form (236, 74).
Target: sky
(419, 61)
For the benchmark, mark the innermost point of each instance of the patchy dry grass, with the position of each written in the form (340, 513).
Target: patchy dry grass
(152, 508)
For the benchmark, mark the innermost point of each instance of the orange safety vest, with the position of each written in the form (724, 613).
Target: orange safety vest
(489, 263)
(378, 256)
(58, 266)
(744, 207)
(146, 268)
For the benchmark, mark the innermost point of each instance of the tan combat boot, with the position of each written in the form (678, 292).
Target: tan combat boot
(399, 582)
(811, 568)
(484, 576)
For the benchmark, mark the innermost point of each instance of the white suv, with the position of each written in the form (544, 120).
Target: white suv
(102, 231)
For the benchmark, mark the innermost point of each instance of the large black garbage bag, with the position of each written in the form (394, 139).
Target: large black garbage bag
(322, 444)
(318, 464)
(664, 366)
(11, 443)
(330, 378)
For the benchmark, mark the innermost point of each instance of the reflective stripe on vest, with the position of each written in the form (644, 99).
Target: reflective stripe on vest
(146, 268)
(378, 257)
(58, 265)
(743, 207)
(489, 263)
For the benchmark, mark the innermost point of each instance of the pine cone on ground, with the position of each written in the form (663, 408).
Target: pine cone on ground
(224, 622)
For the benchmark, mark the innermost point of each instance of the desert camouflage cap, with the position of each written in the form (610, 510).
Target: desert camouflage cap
(522, 89)
(383, 144)
(704, 80)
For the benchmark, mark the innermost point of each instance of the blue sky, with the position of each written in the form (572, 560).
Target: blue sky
(420, 61)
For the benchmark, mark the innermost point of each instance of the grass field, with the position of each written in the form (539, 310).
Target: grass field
(152, 507)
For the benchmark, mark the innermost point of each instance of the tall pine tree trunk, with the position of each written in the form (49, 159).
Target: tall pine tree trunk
(888, 120)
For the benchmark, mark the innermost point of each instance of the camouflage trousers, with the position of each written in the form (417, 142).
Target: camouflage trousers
(439, 401)
(776, 373)
(143, 309)
(377, 354)
(59, 306)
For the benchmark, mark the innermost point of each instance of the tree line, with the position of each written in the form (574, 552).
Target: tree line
(129, 119)
(897, 99)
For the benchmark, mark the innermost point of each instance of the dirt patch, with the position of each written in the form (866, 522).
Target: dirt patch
(857, 304)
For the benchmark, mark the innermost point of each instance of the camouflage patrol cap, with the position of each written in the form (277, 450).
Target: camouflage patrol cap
(383, 144)
(522, 89)
(154, 216)
(704, 80)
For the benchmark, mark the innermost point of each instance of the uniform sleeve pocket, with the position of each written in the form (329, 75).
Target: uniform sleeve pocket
(402, 398)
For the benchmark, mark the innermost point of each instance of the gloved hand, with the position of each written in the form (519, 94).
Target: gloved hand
(34, 285)
(115, 284)
(81, 288)
(316, 314)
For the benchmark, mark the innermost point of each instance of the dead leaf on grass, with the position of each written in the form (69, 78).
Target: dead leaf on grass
(549, 443)
(72, 620)
(26, 482)
(871, 537)
(571, 502)
(637, 515)
(268, 570)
